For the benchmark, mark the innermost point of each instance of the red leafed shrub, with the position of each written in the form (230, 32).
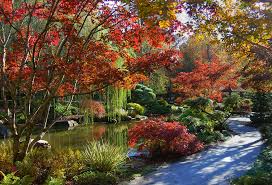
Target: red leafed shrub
(164, 138)
(94, 107)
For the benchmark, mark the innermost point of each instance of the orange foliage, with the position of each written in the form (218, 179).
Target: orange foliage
(207, 79)
(84, 63)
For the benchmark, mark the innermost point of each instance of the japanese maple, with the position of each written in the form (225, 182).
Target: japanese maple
(163, 138)
(54, 48)
(206, 79)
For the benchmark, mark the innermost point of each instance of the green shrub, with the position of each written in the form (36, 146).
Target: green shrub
(245, 105)
(157, 107)
(261, 178)
(146, 97)
(54, 181)
(103, 157)
(142, 95)
(232, 102)
(202, 119)
(38, 164)
(42, 164)
(262, 108)
(177, 109)
(209, 137)
(95, 178)
(6, 156)
(200, 103)
(12, 179)
(260, 173)
(68, 161)
(61, 109)
(137, 108)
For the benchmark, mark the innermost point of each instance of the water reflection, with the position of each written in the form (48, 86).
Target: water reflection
(116, 134)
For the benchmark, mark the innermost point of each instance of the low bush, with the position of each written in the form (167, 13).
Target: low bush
(177, 109)
(41, 164)
(137, 108)
(143, 95)
(38, 164)
(12, 179)
(163, 138)
(236, 103)
(6, 162)
(54, 181)
(158, 107)
(262, 178)
(103, 157)
(232, 102)
(209, 137)
(70, 161)
(203, 120)
(262, 108)
(95, 178)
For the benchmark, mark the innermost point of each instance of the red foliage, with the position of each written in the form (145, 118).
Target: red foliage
(164, 138)
(94, 107)
(207, 80)
(60, 58)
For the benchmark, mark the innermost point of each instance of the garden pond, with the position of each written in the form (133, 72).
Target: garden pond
(116, 134)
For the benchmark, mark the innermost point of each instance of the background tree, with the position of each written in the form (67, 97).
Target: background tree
(206, 80)
(245, 30)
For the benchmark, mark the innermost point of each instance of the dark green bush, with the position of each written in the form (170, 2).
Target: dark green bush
(145, 96)
(142, 95)
(236, 103)
(37, 164)
(260, 173)
(158, 107)
(262, 108)
(209, 137)
(202, 119)
(261, 178)
(95, 178)
(232, 102)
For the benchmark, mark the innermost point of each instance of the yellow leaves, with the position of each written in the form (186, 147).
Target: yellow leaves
(161, 10)
(164, 23)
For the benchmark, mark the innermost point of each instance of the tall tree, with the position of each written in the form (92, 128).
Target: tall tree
(53, 48)
(245, 28)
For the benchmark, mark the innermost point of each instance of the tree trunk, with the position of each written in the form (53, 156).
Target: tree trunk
(17, 154)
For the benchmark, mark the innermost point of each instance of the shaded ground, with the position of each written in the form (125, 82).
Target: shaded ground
(215, 166)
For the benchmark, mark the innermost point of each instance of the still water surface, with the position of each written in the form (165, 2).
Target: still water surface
(116, 134)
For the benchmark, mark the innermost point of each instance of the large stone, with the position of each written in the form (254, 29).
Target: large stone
(141, 118)
(41, 144)
(65, 124)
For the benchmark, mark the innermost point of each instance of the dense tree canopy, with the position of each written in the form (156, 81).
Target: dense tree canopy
(245, 29)
(53, 48)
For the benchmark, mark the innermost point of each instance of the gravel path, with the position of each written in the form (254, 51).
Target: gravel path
(216, 166)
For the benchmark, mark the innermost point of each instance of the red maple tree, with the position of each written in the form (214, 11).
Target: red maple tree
(206, 79)
(55, 48)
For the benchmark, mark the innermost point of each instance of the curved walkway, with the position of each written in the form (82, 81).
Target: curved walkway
(217, 165)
